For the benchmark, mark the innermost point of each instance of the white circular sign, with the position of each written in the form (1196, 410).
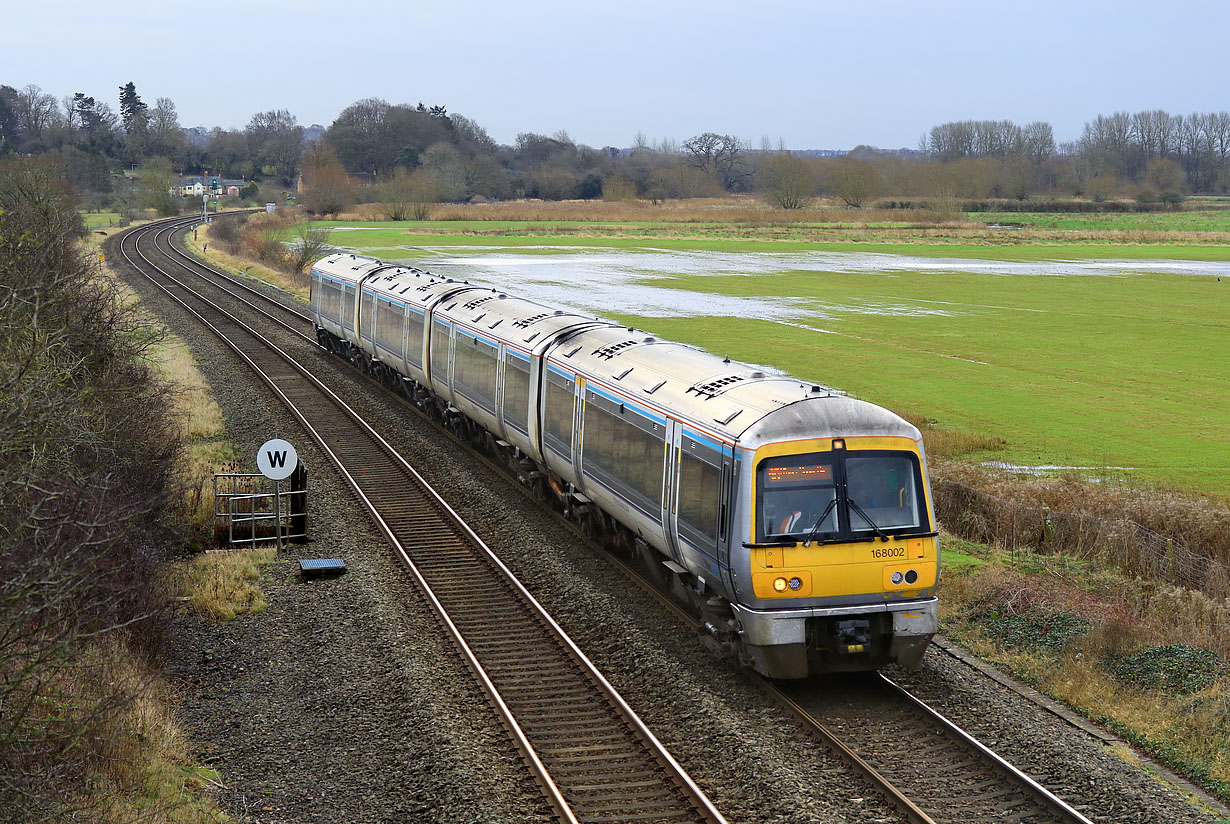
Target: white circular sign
(276, 459)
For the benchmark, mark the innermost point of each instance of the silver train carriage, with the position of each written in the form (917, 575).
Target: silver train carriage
(796, 519)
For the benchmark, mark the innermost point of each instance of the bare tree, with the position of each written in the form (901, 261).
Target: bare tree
(720, 155)
(326, 186)
(36, 112)
(86, 461)
(854, 181)
(786, 180)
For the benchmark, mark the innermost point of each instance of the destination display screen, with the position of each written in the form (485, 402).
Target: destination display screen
(799, 474)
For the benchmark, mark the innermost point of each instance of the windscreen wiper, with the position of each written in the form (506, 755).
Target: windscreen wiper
(867, 518)
(816, 526)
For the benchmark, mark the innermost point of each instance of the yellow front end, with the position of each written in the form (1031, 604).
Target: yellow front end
(899, 568)
(844, 556)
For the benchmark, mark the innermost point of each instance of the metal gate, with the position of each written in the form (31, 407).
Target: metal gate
(245, 513)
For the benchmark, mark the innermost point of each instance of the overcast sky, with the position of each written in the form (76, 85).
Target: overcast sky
(820, 74)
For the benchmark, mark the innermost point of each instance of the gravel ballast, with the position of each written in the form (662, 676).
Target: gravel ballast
(343, 702)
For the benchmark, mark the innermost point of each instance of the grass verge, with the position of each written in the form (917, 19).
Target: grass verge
(224, 585)
(1147, 660)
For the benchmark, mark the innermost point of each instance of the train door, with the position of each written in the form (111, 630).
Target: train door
(726, 510)
(670, 486)
(578, 420)
(700, 508)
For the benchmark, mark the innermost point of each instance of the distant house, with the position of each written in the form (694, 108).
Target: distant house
(230, 188)
(232, 191)
(191, 186)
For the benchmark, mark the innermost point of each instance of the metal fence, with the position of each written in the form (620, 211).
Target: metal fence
(245, 512)
(979, 516)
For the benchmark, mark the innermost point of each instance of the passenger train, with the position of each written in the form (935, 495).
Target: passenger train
(796, 520)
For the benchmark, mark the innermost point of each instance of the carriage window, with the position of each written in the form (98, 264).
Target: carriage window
(439, 353)
(516, 392)
(474, 370)
(365, 315)
(557, 423)
(624, 450)
(348, 309)
(414, 338)
(699, 496)
(388, 326)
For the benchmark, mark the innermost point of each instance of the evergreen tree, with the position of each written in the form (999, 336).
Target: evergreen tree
(132, 108)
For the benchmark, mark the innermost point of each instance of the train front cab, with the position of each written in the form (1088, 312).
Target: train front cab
(843, 558)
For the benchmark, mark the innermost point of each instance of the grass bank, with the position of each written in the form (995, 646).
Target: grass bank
(1145, 660)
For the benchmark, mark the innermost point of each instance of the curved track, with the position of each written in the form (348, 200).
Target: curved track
(925, 765)
(592, 756)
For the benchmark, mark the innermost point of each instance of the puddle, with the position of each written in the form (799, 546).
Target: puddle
(637, 282)
(1038, 470)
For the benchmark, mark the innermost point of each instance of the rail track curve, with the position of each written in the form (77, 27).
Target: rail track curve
(593, 757)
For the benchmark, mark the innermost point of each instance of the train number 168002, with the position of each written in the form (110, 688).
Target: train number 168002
(889, 552)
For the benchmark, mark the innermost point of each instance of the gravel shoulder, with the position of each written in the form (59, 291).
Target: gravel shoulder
(342, 701)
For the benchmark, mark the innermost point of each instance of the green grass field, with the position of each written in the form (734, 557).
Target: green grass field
(1080, 370)
(96, 220)
(1208, 220)
(1071, 371)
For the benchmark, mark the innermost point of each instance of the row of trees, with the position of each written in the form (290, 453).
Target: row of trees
(403, 153)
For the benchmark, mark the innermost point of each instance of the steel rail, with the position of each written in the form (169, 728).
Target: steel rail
(690, 792)
(1045, 798)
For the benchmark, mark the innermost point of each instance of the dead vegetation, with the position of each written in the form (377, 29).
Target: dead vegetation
(88, 448)
(1145, 658)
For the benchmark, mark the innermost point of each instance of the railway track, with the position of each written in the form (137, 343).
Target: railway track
(927, 767)
(593, 757)
(930, 768)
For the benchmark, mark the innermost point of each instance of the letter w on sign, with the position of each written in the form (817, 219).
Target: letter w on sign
(276, 459)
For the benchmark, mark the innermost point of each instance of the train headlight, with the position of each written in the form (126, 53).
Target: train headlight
(911, 576)
(779, 584)
(897, 577)
(795, 583)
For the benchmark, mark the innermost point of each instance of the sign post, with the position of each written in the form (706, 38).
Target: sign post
(277, 459)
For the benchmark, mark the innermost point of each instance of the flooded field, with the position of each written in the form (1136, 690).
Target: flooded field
(643, 282)
(1087, 364)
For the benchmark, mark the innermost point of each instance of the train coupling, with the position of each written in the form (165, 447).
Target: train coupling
(853, 636)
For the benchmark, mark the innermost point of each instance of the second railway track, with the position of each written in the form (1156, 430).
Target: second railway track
(593, 757)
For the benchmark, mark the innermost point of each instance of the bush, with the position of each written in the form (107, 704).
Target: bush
(1052, 631)
(87, 456)
(1175, 668)
(311, 244)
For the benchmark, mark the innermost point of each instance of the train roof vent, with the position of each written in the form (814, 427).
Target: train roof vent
(425, 286)
(649, 390)
(725, 419)
(614, 349)
(715, 386)
(480, 301)
(525, 323)
(623, 374)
